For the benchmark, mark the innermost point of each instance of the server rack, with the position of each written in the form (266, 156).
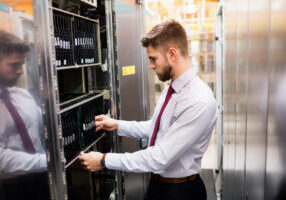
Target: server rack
(77, 56)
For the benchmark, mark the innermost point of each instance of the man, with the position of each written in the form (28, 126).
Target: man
(180, 129)
(22, 157)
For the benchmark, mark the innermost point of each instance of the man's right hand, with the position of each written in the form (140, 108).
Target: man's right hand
(106, 123)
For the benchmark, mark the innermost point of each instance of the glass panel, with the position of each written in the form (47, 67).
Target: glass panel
(23, 164)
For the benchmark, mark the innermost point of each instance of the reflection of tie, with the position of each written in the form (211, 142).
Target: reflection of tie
(28, 145)
(156, 128)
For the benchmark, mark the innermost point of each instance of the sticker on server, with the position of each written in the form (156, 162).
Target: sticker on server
(128, 70)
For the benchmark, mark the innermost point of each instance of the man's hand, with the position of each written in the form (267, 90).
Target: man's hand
(91, 160)
(106, 123)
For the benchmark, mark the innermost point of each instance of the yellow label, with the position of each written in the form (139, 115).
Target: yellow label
(128, 70)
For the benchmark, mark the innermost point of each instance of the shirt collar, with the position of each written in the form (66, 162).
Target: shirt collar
(182, 80)
(10, 89)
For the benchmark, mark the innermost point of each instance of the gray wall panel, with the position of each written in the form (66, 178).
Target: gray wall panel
(246, 100)
(276, 159)
(229, 97)
(241, 96)
(257, 98)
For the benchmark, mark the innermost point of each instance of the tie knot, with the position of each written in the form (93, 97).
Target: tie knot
(171, 90)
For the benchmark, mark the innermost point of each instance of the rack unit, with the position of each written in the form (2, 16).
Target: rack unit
(75, 87)
(76, 43)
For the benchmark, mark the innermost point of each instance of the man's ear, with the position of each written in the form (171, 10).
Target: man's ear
(172, 53)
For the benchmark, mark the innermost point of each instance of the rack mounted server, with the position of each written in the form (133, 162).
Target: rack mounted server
(76, 86)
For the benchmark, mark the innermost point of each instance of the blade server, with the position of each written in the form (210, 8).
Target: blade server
(76, 86)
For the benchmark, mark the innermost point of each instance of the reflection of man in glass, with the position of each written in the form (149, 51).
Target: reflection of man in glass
(22, 157)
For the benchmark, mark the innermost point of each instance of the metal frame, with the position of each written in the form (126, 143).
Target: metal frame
(114, 92)
(77, 98)
(49, 90)
(80, 103)
(77, 66)
(219, 36)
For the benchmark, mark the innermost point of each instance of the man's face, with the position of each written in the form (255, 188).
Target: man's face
(159, 64)
(11, 68)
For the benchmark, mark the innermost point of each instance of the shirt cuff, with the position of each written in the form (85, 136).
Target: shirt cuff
(123, 127)
(43, 161)
(112, 161)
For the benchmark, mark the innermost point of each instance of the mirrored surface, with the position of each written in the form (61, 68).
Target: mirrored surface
(23, 164)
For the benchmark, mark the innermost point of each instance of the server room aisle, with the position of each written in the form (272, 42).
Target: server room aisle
(208, 178)
(209, 163)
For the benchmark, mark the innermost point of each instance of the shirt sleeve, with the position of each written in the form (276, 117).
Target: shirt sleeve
(134, 129)
(189, 131)
(18, 162)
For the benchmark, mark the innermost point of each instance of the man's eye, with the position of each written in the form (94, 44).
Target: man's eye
(16, 65)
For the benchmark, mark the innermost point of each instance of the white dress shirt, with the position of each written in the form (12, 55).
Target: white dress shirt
(184, 133)
(13, 158)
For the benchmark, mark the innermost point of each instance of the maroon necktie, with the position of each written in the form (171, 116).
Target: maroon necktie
(28, 145)
(156, 128)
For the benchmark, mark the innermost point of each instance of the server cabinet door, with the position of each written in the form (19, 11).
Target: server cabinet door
(257, 99)
(229, 92)
(23, 161)
(241, 96)
(276, 151)
(129, 24)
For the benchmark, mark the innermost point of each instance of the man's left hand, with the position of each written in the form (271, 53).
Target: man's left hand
(91, 160)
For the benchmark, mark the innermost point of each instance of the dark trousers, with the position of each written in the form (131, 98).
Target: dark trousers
(25, 187)
(190, 190)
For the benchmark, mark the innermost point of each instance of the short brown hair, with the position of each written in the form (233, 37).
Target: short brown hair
(166, 34)
(9, 44)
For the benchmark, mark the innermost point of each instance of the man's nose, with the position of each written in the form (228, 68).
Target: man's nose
(151, 66)
(20, 70)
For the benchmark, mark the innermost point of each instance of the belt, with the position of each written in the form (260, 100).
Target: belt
(173, 180)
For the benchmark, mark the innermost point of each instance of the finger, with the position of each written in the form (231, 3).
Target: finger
(99, 117)
(81, 156)
(82, 162)
(99, 123)
(98, 128)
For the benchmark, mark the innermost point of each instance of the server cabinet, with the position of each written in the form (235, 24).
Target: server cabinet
(76, 57)
(133, 87)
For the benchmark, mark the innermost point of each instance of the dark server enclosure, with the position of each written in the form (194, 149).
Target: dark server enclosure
(76, 39)
(63, 39)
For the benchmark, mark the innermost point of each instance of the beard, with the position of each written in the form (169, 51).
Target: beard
(8, 83)
(166, 74)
